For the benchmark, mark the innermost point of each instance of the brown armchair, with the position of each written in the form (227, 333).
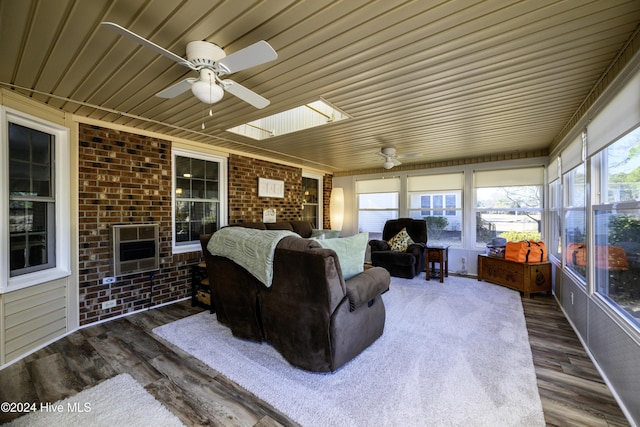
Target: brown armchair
(405, 264)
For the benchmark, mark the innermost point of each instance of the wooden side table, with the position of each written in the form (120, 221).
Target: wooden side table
(200, 289)
(439, 254)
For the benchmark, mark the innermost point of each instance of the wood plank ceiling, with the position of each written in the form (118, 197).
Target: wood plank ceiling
(438, 79)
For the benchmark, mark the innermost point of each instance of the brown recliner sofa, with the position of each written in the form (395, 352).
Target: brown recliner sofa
(310, 314)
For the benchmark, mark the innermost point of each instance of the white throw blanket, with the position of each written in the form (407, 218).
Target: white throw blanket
(249, 248)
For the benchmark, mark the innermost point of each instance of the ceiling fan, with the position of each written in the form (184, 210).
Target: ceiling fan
(210, 61)
(390, 157)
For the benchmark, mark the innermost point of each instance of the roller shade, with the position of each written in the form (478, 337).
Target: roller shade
(552, 170)
(510, 177)
(572, 155)
(449, 181)
(621, 115)
(386, 185)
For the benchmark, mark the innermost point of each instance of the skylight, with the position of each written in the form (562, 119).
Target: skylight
(306, 116)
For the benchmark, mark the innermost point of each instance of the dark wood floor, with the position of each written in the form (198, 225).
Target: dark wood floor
(572, 391)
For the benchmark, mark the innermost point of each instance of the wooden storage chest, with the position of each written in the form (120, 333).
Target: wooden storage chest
(525, 277)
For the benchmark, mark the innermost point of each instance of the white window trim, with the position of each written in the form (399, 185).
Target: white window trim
(222, 194)
(62, 206)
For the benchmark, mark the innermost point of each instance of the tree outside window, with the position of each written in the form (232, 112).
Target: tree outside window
(617, 227)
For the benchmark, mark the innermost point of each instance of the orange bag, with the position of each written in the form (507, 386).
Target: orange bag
(607, 257)
(577, 254)
(526, 251)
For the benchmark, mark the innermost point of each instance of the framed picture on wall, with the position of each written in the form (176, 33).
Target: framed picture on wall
(270, 188)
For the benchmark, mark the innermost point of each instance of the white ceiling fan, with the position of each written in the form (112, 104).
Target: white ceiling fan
(390, 157)
(210, 61)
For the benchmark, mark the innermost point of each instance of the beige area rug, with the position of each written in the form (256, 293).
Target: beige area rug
(452, 354)
(119, 401)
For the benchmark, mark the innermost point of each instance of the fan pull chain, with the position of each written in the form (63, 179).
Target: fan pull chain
(210, 97)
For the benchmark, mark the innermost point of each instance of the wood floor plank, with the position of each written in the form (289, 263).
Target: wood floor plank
(178, 401)
(16, 386)
(52, 378)
(224, 404)
(123, 359)
(82, 359)
(571, 389)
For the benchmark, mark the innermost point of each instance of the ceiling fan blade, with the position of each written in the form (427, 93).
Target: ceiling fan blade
(245, 94)
(148, 44)
(255, 54)
(396, 162)
(177, 89)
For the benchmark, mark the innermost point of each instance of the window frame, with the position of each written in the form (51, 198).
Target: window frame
(320, 202)
(391, 212)
(195, 246)
(568, 189)
(602, 202)
(62, 201)
(511, 178)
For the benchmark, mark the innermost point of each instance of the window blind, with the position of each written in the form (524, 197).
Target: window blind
(450, 181)
(510, 177)
(621, 115)
(385, 185)
(572, 155)
(552, 170)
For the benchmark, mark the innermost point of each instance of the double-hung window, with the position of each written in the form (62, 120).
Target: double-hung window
(617, 226)
(574, 181)
(508, 204)
(554, 244)
(438, 200)
(312, 199)
(35, 205)
(378, 201)
(199, 201)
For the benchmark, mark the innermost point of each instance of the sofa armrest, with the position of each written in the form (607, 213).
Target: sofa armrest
(379, 245)
(417, 249)
(366, 286)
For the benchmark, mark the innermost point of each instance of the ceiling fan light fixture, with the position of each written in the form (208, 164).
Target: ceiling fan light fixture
(209, 93)
(387, 164)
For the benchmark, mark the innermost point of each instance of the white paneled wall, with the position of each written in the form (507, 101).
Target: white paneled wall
(32, 317)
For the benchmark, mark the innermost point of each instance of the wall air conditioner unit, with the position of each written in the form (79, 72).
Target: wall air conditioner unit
(135, 248)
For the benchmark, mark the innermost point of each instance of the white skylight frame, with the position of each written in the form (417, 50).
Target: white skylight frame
(307, 116)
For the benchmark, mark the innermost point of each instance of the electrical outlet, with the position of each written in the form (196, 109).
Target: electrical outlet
(108, 304)
(107, 280)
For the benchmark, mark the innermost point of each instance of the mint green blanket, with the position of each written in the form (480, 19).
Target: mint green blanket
(249, 248)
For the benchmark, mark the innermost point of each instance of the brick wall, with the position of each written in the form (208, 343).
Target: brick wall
(125, 179)
(327, 185)
(244, 203)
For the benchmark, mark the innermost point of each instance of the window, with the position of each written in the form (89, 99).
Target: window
(438, 199)
(508, 204)
(31, 200)
(575, 220)
(199, 197)
(378, 201)
(554, 245)
(35, 206)
(617, 226)
(312, 199)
